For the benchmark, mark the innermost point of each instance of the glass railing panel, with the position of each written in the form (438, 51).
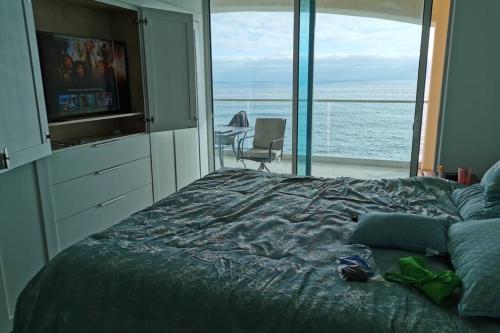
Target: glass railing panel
(365, 139)
(225, 108)
(363, 130)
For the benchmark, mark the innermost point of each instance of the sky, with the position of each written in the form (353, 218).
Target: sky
(258, 46)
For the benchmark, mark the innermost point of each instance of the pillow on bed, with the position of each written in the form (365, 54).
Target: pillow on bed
(491, 185)
(474, 248)
(471, 202)
(401, 231)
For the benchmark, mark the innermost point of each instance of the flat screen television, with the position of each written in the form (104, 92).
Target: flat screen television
(82, 76)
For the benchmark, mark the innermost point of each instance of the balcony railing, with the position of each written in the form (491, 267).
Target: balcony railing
(369, 101)
(342, 131)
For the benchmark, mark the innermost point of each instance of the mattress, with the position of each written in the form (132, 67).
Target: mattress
(243, 251)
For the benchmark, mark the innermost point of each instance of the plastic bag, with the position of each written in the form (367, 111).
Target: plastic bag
(354, 268)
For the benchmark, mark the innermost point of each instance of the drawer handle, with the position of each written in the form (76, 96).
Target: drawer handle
(105, 203)
(4, 159)
(106, 143)
(108, 170)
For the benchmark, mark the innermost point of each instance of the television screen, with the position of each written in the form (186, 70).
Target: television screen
(82, 76)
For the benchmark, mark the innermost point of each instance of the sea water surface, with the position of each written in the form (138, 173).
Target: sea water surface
(340, 129)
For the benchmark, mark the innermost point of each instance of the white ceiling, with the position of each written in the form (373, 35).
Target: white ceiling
(409, 11)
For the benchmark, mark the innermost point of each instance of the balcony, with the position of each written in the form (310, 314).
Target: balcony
(367, 139)
(331, 167)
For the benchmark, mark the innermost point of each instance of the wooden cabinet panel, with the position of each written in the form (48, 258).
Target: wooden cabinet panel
(22, 243)
(83, 160)
(100, 217)
(23, 121)
(187, 156)
(163, 164)
(175, 157)
(170, 69)
(76, 180)
(76, 195)
(5, 321)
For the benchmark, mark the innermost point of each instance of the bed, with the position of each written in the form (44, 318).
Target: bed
(243, 251)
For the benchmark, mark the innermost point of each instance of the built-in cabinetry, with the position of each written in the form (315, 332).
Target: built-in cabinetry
(186, 150)
(22, 241)
(23, 122)
(88, 19)
(104, 168)
(78, 176)
(90, 187)
(160, 67)
(171, 98)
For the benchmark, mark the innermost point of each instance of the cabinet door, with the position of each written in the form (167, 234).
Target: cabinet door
(23, 121)
(5, 320)
(22, 241)
(187, 156)
(163, 164)
(168, 45)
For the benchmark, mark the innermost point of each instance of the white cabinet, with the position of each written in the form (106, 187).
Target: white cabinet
(22, 242)
(175, 160)
(5, 324)
(100, 182)
(163, 164)
(87, 188)
(23, 121)
(187, 156)
(92, 181)
(168, 39)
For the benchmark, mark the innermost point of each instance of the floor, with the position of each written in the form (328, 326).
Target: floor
(326, 169)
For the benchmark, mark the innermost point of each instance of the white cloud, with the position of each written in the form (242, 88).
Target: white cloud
(259, 46)
(252, 34)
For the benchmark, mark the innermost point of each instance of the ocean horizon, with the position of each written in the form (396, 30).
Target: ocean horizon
(353, 130)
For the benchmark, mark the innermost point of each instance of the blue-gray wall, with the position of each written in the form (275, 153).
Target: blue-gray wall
(470, 126)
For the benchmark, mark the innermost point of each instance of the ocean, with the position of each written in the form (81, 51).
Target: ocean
(353, 130)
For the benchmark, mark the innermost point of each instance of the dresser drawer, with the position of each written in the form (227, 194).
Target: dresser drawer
(100, 217)
(76, 195)
(83, 160)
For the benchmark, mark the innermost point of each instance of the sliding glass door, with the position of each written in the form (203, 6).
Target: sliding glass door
(252, 51)
(348, 77)
(366, 68)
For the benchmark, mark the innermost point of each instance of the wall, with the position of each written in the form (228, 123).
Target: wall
(470, 124)
(436, 65)
(22, 249)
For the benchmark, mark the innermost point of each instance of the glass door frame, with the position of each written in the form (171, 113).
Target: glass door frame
(302, 99)
(302, 166)
(421, 78)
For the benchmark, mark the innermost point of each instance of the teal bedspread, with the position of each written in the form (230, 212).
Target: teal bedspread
(243, 251)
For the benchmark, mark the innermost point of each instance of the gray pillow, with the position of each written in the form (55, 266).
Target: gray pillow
(474, 249)
(491, 185)
(471, 202)
(411, 232)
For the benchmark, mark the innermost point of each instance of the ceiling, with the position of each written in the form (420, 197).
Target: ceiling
(409, 11)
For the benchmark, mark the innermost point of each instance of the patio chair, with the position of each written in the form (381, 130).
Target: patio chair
(267, 145)
(239, 119)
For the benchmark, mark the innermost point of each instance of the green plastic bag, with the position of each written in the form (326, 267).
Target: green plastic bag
(441, 287)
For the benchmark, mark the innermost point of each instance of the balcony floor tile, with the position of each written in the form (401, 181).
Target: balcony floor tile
(326, 169)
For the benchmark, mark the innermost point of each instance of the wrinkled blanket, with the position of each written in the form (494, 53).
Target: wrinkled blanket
(243, 251)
